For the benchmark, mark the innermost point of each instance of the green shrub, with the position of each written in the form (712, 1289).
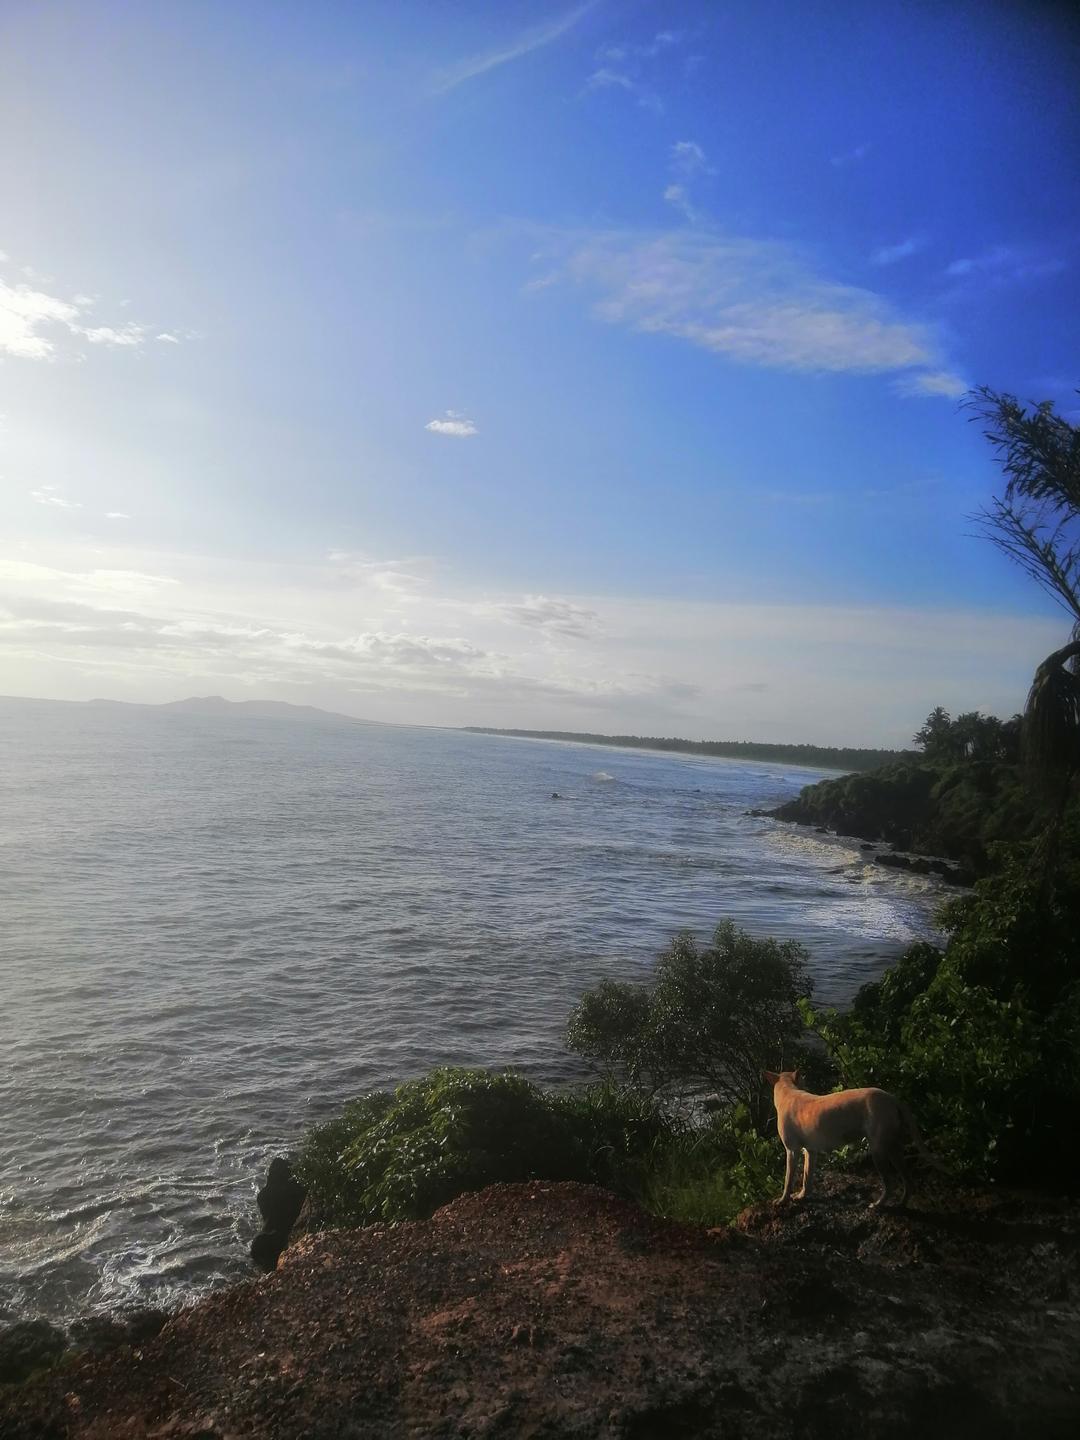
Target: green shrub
(710, 1018)
(714, 1170)
(983, 1039)
(401, 1156)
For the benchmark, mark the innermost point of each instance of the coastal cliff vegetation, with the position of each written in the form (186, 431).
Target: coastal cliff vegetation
(982, 1036)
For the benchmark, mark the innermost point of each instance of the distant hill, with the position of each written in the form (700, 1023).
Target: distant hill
(258, 709)
(828, 757)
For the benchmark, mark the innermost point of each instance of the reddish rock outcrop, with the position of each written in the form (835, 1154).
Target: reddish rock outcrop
(543, 1310)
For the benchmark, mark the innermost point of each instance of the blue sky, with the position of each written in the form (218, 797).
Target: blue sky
(587, 367)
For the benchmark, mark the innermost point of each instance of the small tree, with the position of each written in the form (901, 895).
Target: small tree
(712, 1018)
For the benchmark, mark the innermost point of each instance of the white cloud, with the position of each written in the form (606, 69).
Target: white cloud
(619, 53)
(1006, 265)
(24, 313)
(688, 158)
(117, 515)
(755, 302)
(129, 334)
(454, 424)
(679, 196)
(168, 339)
(652, 665)
(49, 495)
(687, 162)
(902, 250)
(607, 79)
(34, 578)
(560, 617)
(34, 323)
(933, 382)
(533, 39)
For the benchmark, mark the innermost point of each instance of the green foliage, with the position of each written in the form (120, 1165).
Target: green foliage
(401, 1156)
(714, 1171)
(1037, 522)
(710, 1018)
(983, 1038)
(959, 809)
(970, 736)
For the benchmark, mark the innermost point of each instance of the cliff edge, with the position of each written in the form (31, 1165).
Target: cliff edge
(559, 1310)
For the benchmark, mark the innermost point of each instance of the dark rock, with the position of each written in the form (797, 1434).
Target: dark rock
(27, 1346)
(893, 861)
(279, 1201)
(126, 1327)
(866, 845)
(822, 829)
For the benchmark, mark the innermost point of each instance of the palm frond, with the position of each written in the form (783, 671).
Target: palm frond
(1051, 735)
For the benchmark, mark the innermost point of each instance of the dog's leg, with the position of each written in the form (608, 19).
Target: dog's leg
(881, 1158)
(808, 1175)
(789, 1177)
(897, 1158)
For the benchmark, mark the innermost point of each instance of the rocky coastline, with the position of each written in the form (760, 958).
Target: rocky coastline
(557, 1309)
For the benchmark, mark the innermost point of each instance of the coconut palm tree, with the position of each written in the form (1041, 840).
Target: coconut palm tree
(1037, 524)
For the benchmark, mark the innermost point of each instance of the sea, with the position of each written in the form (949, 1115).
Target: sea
(217, 928)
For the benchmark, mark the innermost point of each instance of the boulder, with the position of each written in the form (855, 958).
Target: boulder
(27, 1346)
(124, 1327)
(279, 1201)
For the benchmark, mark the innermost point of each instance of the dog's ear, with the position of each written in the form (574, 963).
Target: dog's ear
(771, 1077)
(796, 1078)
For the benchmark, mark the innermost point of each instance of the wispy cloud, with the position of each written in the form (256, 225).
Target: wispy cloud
(933, 382)
(756, 302)
(50, 495)
(25, 314)
(627, 67)
(608, 79)
(1007, 265)
(687, 162)
(453, 423)
(851, 157)
(559, 617)
(622, 51)
(529, 40)
(34, 322)
(117, 515)
(650, 662)
(688, 158)
(902, 250)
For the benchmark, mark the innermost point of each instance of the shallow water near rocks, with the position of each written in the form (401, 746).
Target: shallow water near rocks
(215, 929)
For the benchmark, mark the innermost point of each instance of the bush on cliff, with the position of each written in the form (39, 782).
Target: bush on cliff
(984, 1039)
(709, 1018)
(401, 1156)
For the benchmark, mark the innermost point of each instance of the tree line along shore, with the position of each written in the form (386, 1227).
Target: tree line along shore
(827, 757)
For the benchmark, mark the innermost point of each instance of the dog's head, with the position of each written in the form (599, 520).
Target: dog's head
(774, 1077)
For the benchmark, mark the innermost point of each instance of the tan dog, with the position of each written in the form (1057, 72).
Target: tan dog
(822, 1122)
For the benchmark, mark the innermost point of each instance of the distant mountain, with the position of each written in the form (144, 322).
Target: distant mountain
(258, 709)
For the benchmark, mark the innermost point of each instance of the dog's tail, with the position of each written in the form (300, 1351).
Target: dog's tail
(917, 1139)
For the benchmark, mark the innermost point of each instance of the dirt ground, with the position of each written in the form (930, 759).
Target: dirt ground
(548, 1310)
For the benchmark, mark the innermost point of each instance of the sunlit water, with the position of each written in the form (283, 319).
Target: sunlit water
(216, 929)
